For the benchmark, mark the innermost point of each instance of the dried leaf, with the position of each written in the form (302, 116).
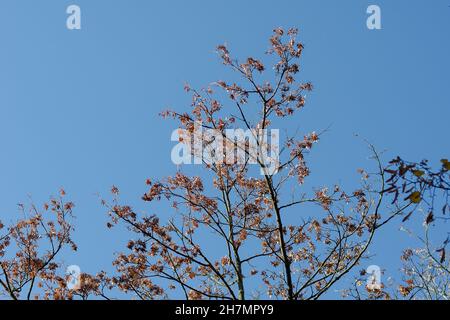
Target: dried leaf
(430, 218)
(414, 197)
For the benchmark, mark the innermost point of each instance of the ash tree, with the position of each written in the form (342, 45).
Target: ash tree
(238, 234)
(247, 226)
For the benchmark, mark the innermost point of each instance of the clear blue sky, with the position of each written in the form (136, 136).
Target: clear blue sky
(79, 109)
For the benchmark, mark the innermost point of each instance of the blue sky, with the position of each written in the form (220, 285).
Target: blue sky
(79, 109)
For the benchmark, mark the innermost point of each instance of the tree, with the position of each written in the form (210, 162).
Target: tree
(29, 250)
(266, 228)
(426, 268)
(246, 226)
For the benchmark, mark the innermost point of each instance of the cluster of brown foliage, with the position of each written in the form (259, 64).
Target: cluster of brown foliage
(418, 188)
(30, 247)
(427, 268)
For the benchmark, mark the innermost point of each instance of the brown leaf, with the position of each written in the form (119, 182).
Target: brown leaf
(414, 197)
(430, 218)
